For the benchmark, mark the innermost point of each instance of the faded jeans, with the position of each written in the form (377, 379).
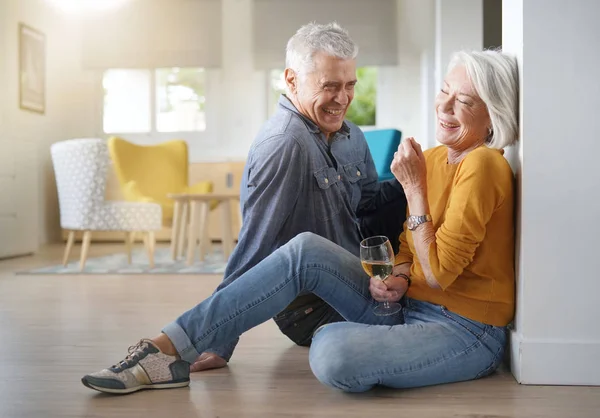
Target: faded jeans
(424, 345)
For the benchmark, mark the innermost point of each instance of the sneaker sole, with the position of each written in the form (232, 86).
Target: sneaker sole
(136, 388)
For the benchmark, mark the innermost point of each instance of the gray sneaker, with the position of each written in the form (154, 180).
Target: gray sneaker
(146, 367)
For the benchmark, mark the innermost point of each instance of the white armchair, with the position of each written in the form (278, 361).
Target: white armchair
(81, 167)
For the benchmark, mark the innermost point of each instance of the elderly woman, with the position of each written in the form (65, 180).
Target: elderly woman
(454, 269)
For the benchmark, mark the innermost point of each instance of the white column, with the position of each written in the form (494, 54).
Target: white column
(556, 337)
(399, 94)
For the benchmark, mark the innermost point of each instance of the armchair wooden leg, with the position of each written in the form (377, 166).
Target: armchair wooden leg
(129, 240)
(68, 248)
(85, 248)
(150, 242)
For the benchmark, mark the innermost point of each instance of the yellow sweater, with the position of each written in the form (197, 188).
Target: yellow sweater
(472, 257)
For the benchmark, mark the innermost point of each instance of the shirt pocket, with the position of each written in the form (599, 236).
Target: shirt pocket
(355, 172)
(326, 199)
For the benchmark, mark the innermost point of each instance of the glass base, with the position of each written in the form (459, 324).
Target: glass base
(386, 309)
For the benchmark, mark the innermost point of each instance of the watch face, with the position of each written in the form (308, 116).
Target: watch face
(410, 223)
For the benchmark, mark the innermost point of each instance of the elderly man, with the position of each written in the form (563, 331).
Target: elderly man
(308, 170)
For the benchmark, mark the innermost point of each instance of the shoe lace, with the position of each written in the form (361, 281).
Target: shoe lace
(134, 352)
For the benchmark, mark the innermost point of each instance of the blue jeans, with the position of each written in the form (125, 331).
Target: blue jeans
(425, 345)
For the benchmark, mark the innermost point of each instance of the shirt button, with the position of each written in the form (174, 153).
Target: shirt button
(326, 180)
(339, 177)
(358, 173)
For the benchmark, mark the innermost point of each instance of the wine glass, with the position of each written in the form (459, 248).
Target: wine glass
(377, 259)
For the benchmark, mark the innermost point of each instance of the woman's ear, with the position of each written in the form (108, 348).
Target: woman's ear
(489, 136)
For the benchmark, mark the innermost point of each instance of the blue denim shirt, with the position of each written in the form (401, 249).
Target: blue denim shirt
(295, 181)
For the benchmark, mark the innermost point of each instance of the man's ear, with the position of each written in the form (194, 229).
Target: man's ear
(291, 79)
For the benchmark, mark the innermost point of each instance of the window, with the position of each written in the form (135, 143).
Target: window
(362, 111)
(177, 96)
(126, 101)
(180, 100)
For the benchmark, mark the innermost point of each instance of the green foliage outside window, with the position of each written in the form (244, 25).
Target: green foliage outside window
(168, 80)
(363, 110)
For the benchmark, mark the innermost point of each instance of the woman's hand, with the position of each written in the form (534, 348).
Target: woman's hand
(393, 288)
(409, 166)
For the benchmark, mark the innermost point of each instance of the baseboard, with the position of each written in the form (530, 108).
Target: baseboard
(554, 362)
(514, 345)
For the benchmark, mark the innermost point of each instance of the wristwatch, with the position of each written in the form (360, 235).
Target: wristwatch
(412, 222)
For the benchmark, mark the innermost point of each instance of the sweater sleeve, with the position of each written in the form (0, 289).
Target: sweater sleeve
(479, 188)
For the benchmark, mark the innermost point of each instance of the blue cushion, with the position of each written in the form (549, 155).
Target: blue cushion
(383, 143)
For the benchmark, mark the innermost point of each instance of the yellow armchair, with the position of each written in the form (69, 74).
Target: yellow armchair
(150, 173)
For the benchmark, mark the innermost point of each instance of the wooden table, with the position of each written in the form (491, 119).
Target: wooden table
(198, 206)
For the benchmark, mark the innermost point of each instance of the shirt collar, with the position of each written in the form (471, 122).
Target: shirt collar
(312, 127)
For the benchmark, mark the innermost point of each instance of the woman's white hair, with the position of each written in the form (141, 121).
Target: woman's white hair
(495, 78)
(331, 39)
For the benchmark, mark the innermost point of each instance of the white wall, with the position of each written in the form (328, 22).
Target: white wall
(243, 105)
(237, 92)
(68, 110)
(428, 32)
(400, 98)
(459, 25)
(237, 95)
(557, 337)
(3, 61)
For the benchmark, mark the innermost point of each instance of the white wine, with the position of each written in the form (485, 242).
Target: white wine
(377, 268)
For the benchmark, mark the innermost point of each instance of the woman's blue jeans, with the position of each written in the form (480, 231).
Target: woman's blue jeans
(423, 345)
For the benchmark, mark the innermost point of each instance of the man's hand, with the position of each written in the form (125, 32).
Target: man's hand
(393, 288)
(207, 361)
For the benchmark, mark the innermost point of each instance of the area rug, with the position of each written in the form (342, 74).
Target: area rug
(213, 263)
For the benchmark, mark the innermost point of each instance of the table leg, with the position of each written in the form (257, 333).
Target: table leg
(175, 229)
(183, 227)
(193, 231)
(203, 228)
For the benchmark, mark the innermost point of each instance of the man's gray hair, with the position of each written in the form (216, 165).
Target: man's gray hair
(495, 78)
(331, 39)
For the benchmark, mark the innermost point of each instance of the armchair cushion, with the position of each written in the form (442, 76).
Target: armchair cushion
(382, 144)
(149, 173)
(132, 193)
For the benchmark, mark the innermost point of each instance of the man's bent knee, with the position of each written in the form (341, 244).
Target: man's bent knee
(310, 244)
(306, 239)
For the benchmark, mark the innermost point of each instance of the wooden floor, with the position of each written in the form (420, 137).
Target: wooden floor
(54, 329)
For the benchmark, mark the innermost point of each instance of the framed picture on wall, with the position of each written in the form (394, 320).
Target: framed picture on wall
(32, 69)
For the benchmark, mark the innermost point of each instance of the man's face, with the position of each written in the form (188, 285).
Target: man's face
(324, 94)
